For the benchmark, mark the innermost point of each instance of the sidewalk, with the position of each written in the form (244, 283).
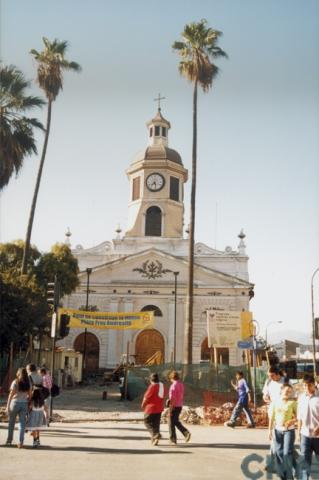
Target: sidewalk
(122, 450)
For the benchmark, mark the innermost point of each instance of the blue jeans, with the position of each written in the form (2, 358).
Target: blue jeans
(307, 446)
(17, 408)
(284, 447)
(242, 404)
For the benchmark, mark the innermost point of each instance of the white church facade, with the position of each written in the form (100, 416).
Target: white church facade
(140, 270)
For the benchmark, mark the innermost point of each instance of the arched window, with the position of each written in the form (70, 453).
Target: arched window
(153, 222)
(152, 308)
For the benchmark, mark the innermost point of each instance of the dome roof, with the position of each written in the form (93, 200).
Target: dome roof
(158, 152)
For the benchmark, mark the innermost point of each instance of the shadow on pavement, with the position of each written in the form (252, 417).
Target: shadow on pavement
(240, 446)
(102, 437)
(108, 450)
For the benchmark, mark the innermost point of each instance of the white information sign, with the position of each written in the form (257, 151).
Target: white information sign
(223, 328)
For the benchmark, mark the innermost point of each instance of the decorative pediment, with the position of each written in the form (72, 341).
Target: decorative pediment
(153, 265)
(152, 269)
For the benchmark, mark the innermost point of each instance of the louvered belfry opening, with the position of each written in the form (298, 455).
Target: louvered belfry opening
(153, 222)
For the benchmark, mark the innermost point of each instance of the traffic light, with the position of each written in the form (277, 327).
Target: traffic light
(53, 293)
(64, 325)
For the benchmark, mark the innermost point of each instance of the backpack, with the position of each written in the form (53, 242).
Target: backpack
(55, 390)
(45, 392)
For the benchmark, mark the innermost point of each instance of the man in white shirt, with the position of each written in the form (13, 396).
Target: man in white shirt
(273, 385)
(271, 394)
(308, 425)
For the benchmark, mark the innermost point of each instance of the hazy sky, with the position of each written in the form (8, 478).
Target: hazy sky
(258, 132)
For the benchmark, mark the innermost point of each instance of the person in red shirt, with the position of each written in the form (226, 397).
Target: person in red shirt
(153, 405)
(176, 398)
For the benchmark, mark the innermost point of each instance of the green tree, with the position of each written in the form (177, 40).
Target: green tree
(63, 264)
(51, 65)
(197, 49)
(16, 130)
(23, 302)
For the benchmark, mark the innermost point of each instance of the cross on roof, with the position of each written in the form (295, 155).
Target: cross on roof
(158, 99)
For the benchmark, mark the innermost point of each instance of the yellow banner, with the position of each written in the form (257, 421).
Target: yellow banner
(110, 320)
(247, 329)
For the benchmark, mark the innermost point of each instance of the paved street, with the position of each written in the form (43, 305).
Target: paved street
(122, 450)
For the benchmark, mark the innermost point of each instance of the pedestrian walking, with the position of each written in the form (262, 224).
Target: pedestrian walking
(242, 403)
(282, 423)
(271, 392)
(176, 400)
(273, 384)
(34, 376)
(17, 404)
(47, 383)
(308, 425)
(38, 416)
(153, 405)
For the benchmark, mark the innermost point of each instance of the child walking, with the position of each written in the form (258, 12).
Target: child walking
(242, 403)
(38, 416)
(282, 421)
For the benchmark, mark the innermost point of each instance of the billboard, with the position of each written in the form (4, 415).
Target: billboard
(225, 327)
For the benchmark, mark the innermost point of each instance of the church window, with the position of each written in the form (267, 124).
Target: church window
(136, 188)
(151, 131)
(163, 131)
(152, 308)
(157, 131)
(174, 189)
(153, 222)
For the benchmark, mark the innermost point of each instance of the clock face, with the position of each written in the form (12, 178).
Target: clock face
(155, 182)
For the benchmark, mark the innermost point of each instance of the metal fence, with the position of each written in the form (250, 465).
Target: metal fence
(198, 378)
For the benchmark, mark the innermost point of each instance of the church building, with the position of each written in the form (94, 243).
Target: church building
(146, 269)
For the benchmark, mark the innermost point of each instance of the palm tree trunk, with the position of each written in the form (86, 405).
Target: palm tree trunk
(35, 194)
(188, 350)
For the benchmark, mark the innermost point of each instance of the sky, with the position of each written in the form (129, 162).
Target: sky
(258, 132)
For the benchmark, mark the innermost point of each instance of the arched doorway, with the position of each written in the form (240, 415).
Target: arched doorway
(222, 354)
(92, 351)
(153, 222)
(147, 343)
(152, 308)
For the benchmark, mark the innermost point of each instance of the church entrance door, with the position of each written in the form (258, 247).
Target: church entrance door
(147, 343)
(92, 351)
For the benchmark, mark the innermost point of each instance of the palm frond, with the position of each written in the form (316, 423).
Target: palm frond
(198, 48)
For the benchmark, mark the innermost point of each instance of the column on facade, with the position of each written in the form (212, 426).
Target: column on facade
(128, 334)
(111, 348)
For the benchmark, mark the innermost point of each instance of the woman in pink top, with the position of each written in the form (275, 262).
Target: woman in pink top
(176, 398)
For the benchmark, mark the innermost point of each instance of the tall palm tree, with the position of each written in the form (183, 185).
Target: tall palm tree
(51, 64)
(16, 130)
(197, 49)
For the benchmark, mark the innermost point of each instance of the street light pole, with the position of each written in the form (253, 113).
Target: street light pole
(88, 273)
(175, 314)
(270, 323)
(313, 326)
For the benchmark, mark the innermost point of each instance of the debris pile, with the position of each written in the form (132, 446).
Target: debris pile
(217, 415)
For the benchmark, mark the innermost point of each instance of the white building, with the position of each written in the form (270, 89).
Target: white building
(134, 272)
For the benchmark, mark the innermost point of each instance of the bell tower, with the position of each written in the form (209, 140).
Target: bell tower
(157, 177)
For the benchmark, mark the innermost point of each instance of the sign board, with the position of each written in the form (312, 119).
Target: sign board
(53, 325)
(108, 320)
(225, 327)
(245, 344)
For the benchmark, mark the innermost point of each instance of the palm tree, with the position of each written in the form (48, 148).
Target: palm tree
(51, 64)
(197, 48)
(16, 130)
